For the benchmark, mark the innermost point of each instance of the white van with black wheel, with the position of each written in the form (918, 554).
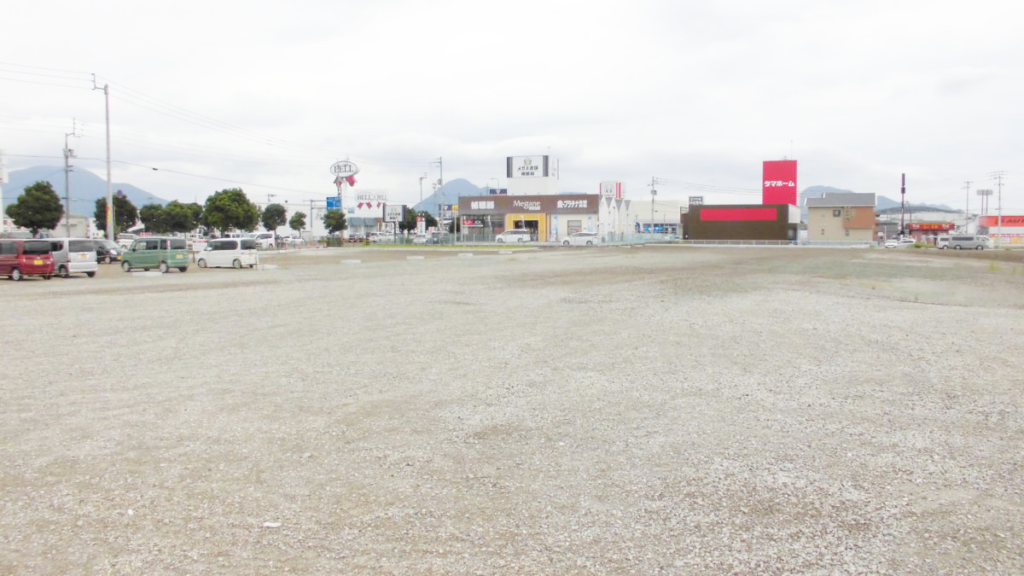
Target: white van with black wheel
(74, 256)
(229, 252)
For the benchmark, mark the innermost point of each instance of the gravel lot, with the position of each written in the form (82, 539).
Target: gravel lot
(638, 410)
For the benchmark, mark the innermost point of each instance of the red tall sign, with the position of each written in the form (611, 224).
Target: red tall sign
(779, 183)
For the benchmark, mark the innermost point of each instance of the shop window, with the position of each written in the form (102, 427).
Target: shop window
(837, 213)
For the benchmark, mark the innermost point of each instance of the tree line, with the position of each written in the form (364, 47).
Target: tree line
(39, 208)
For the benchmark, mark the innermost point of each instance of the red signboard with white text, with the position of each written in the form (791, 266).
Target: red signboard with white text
(778, 185)
(1008, 221)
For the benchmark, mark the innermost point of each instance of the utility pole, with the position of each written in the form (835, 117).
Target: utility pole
(68, 155)
(998, 177)
(967, 206)
(422, 178)
(110, 186)
(654, 182)
(903, 201)
(440, 185)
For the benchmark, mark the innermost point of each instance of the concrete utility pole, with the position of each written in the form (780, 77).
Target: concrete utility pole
(903, 202)
(967, 206)
(68, 154)
(422, 178)
(654, 182)
(110, 185)
(998, 177)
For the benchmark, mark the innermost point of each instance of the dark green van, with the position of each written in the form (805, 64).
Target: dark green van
(160, 252)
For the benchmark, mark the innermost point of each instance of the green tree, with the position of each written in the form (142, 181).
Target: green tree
(37, 208)
(274, 215)
(153, 217)
(125, 213)
(298, 221)
(229, 209)
(180, 217)
(335, 221)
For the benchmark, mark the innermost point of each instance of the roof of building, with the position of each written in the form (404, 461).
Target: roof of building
(842, 200)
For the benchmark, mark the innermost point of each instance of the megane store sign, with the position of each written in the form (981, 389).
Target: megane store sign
(527, 167)
(560, 204)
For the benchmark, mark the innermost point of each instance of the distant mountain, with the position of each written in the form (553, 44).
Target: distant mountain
(449, 194)
(86, 188)
(882, 203)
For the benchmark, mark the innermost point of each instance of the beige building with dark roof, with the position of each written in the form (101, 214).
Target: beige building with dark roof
(841, 216)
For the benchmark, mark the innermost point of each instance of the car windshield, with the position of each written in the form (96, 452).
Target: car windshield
(37, 247)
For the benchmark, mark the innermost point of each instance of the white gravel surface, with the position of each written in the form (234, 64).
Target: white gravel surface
(565, 411)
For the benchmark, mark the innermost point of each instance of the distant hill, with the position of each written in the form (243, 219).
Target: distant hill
(449, 194)
(882, 203)
(86, 188)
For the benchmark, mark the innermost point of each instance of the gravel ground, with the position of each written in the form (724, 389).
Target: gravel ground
(610, 411)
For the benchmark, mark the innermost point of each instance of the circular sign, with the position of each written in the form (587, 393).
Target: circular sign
(344, 169)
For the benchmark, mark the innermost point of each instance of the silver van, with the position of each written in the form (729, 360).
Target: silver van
(968, 243)
(74, 256)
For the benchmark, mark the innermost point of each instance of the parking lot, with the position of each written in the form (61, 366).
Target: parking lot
(660, 409)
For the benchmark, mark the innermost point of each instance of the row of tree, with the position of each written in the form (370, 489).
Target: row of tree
(39, 208)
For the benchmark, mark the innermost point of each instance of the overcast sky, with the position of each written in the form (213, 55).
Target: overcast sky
(267, 95)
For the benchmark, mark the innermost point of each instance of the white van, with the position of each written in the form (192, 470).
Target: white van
(942, 242)
(969, 243)
(74, 256)
(234, 252)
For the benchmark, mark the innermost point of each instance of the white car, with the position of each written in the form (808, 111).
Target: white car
(265, 240)
(901, 243)
(581, 239)
(225, 252)
(513, 236)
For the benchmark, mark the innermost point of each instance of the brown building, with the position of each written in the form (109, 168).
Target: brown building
(743, 222)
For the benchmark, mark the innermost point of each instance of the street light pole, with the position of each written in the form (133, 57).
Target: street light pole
(110, 186)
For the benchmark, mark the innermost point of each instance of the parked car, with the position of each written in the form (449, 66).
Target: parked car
(356, 237)
(375, 237)
(513, 236)
(899, 243)
(265, 240)
(74, 256)
(160, 252)
(125, 240)
(293, 241)
(22, 257)
(581, 239)
(968, 243)
(107, 251)
(233, 252)
(421, 239)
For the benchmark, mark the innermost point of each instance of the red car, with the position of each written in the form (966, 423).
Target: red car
(20, 258)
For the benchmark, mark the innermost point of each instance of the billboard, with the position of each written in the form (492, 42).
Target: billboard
(611, 189)
(527, 167)
(778, 184)
(394, 212)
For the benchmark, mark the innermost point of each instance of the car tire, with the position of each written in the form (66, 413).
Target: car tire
(182, 269)
(980, 248)
(237, 264)
(957, 247)
(47, 277)
(16, 275)
(589, 243)
(501, 240)
(126, 266)
(943, 247)
(202, 263)
(163, 268)
(566, 243)
(90, 274)
(62, 271)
